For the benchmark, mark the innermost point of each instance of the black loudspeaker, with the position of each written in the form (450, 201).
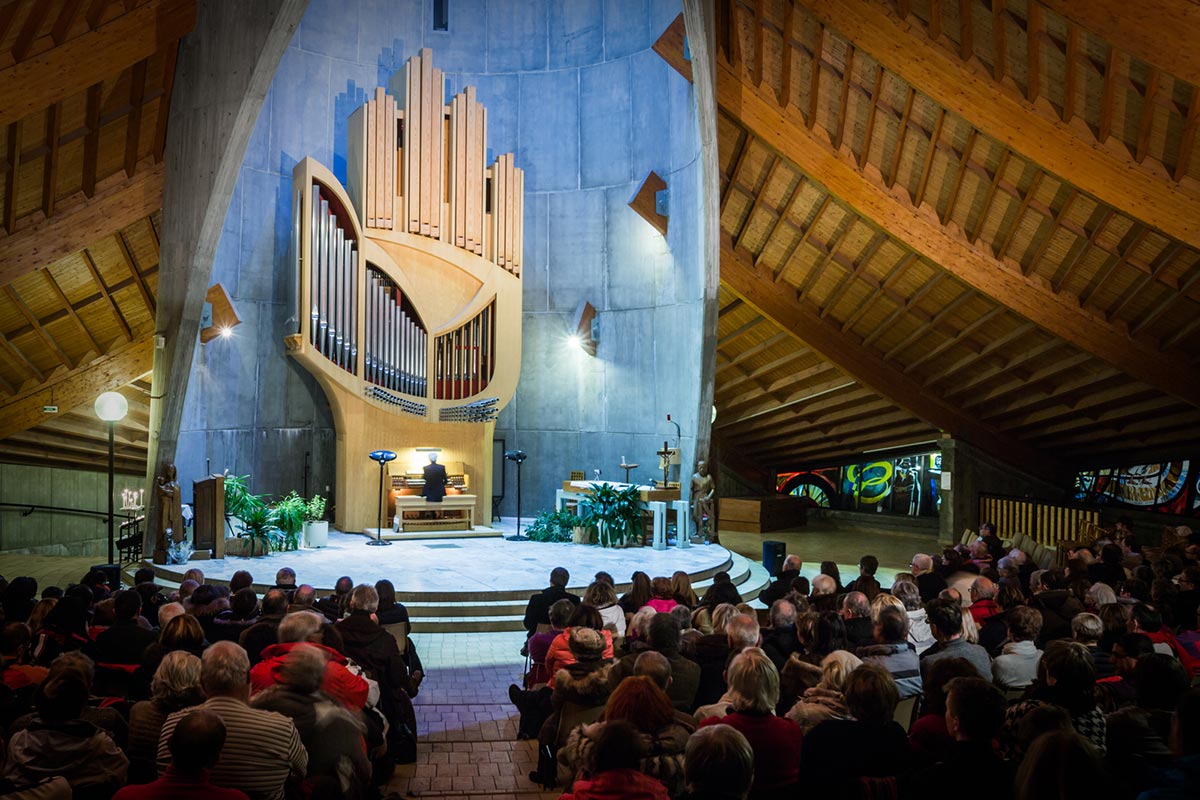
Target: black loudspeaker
(773, 555)
(113, 571)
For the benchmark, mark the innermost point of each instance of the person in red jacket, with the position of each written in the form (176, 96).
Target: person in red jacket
(195, 747)
(613, 773)
(304, 627)
(983, 600)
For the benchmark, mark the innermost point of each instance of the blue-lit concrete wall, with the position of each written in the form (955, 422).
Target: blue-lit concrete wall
(573, 88)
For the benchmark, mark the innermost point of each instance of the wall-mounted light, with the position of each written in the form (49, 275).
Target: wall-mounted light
(585, 329)
(220, 316)
(650, 202)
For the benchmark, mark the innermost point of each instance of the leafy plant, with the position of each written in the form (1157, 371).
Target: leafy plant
(287, 515)
(554, 526)
(314, 509)
(258, 526)
(617, 513)
(238, 499)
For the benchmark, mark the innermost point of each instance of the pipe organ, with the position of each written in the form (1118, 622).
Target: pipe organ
(408, 284)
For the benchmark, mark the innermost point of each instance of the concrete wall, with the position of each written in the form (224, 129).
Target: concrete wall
(57, 533)
(573, 89)
(973, 472)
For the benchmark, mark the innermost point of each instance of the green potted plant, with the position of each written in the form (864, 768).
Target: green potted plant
(238, 500)
(555, 526)
(288, 517)
(316, 527)
(617, 514)
(258, 531)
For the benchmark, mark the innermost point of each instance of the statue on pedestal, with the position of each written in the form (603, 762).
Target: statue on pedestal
(170, 510)
(704, 494)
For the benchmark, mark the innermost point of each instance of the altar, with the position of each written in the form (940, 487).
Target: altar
(654, 500)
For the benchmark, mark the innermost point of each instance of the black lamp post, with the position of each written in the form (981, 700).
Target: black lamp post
(519, 457)
(111, 407)
(382, 457)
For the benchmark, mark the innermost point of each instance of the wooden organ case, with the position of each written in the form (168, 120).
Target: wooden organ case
(409, 290)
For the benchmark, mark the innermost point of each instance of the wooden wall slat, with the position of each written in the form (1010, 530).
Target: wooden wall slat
(437, 141)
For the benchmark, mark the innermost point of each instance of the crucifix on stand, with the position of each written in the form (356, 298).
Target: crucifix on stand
(664, 461)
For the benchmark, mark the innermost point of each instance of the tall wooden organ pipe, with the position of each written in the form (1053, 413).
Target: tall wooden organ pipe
(409, 291)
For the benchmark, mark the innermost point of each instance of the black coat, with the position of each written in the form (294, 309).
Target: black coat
(779, 643)
(123, 643)
(930, 585)
(435, 483)
(780, 587)
(537, 612)
(376, 651)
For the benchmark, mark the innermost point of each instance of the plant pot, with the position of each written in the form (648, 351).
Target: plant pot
(316, 534)
(235, 546)
(582, 535)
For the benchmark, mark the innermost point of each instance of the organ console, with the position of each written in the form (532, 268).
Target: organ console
(408, 285)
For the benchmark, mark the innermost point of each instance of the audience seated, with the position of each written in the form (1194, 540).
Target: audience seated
(331, 734)
(779, 641)
(681, 590)
(537, 612)
(59, 741)
(753, 696)
(264, 633)
(195, 748)
(613, 768)
(721, 591)
(824, 594)
(1057, 606)
(983, 600)
(638, 595)
(15, 670)
(299, 630)
(242, 614)
(930, 583)
(660, 739)
(929, 737)
(865, 582)
(685, 673)
(825, 700)
(662, 594)
(946, 624)
(262, 749)
(176, 686)
(783, 580)
(718, 764)
(560, 654)
(334, 606)
(603, 597)
(974, 714)
(732, 633)
(127, 638)
(838, 752)
(892, 652)
(1017, 665)
(1069, 683)
(919, 634)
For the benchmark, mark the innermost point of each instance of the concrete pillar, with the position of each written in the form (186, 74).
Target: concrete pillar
(224, 69)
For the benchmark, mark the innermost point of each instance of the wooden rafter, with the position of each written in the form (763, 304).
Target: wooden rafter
(70, 309)
(104, 292)
(801, 319)
(1113, 178)
(999, 279)
(80, 222)
(15, 298)
(809, 410)
(76, 387)
(139, 281)
(29, 86)
(1159, 32)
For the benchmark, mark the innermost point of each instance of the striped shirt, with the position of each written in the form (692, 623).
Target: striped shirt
(262, 748)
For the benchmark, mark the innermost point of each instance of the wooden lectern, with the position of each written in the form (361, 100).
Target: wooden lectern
(208, 524)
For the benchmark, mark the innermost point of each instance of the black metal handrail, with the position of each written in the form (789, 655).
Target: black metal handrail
(30, 508)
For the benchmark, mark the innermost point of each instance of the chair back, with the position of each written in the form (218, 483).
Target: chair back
(399, 632)
(906, 709)
(571, 716)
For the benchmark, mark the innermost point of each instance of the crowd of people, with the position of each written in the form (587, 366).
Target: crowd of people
(975, 672)
(207, 692)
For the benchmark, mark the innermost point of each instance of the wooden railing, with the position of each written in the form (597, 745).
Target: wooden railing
(1044, 521)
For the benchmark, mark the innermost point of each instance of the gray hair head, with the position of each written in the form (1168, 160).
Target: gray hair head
(168, 612)
(299, 625)
(655, 666)
(224, 668)
(364, 598)
(783, 614)
(719, 759)
(303, 668)
(177, 677)
(742, 631)
(1087, 628)
(857, 605)
(823, 584)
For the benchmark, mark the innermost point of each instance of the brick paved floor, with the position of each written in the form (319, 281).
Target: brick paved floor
(467, 745)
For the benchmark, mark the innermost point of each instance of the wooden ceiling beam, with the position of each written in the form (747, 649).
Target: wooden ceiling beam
(917, 228)
(77, 387)
(754, 350)
(70, 309)
(801, 319)
(79, 305)
(80, 222)
(855, 445)
(993, 345)
(31, 85)
(845, 412)
(1071, 404)
(1187, 142)
(1110, 176)
(1134, 425)
(765, 369)
(958, 338)
(1066, 393)
(113, 308)
(850, 435)
(852, 395)
(12, 174)
(11, 293)
(1148, 410)
(770, 390)
(1159, 32)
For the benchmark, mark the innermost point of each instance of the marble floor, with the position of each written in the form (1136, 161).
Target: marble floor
(463, 565)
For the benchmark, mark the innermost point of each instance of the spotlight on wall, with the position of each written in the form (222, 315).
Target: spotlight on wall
(224, 317)
(585, 329)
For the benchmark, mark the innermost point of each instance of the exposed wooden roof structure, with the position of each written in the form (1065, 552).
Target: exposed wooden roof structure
(85, 89)
(978, 218)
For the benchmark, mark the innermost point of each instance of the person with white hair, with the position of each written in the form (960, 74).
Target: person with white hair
(856, 611)
(929, 582)
(983, 600)
(301, 629)
(779, 641)
(919, 635)
(783, 580)
(824, 593)
(825, 701)
(262, 749)
(176, 686)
